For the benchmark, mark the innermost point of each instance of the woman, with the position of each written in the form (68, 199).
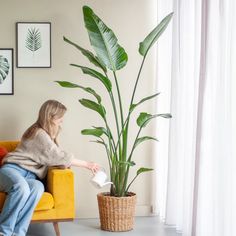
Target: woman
(37, 151)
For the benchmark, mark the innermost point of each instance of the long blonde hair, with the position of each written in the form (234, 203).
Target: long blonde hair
(49, 111)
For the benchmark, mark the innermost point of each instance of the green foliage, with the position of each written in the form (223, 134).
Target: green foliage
(143, 100)
(93, 59)
(144, 118)
(106, 82)
(4, 68)
(93, 106)
(94, 132)
(111, 56)
(154, 35)
(67, 84)
(142, 139)
(104, 41)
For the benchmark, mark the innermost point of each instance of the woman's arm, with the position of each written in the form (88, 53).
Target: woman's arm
(94, 167)
(53, 155)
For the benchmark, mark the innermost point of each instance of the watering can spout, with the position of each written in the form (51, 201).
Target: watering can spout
(106, 184)
(100, 185)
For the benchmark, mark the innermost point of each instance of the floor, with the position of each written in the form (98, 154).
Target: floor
(150, 226)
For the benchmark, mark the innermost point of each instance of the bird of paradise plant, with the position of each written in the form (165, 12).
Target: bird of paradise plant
(111, 56)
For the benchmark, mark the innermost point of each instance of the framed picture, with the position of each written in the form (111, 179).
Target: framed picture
(6, 71)
(33, 44)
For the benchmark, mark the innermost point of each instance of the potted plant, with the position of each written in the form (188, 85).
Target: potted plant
(109, 58)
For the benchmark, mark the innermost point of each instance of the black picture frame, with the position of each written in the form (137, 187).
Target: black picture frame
(6, 71)
(33, 45)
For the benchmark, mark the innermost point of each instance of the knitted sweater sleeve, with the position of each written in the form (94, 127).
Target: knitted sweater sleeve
(52, 155)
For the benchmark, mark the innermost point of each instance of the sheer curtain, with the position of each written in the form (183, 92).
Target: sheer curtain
(196, 162)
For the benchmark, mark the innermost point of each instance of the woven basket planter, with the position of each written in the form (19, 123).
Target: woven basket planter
(116, 213)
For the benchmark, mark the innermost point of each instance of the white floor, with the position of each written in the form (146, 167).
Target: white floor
(149, 226)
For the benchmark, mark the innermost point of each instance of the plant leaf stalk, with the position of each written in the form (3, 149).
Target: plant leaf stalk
(122, 157)
(126, 130)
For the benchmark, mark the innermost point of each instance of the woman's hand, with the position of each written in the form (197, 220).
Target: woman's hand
(94, 167)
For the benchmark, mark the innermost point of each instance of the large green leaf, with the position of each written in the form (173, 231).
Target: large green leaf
(94, 132)
(4, 68)
(93, 106)
(142, 170)
(92, 58)
(67, 84)
(142, 139)
(144, 118)
(143, 100)
(104, 41)
(33, 40)
(106, 82)
(154, 35)
(103, 130)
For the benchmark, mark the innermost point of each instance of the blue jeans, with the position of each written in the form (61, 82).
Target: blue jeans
(23, 193)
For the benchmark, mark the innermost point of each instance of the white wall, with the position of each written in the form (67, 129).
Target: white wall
(131, 21)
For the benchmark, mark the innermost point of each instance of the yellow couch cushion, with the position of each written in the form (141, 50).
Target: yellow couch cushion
(9, 145)
(46, 202)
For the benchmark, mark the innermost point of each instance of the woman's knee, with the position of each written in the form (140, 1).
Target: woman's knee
(36, 187)
(21, 189)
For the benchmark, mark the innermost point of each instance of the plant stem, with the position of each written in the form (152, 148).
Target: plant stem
(134, 90)
(115, 111)
(137, 80)
(121, 132)
(122, 157)
(129, 159)
(132, 150)
(116, 118)
(114, 172)
(107, 151)
(128, 118)
(119, 97)
(114, 108)
(110, 137)
(130, 184)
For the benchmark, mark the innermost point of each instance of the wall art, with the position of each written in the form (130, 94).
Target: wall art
(6, 71)
(33, 44)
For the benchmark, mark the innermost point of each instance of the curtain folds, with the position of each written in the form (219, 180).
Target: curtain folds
(196, 167)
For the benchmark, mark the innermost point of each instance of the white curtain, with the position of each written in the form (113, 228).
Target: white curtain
(196, 162)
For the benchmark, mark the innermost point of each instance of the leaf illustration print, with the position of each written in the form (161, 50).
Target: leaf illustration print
(4, 68)
(33, 40)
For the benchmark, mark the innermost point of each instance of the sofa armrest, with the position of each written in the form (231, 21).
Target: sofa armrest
(60, 183)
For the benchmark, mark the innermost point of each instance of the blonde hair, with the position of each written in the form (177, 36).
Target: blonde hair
(49, 111)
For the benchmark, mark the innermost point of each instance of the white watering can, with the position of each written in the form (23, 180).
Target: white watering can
(100, 178)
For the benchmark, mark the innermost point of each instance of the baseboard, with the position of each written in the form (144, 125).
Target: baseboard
(85, 213)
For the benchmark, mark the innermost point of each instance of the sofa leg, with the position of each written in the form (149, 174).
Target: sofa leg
(56, 228)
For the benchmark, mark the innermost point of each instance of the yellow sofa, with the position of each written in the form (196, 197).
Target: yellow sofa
(57, 202)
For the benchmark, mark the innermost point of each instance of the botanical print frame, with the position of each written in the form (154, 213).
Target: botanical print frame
(6, 71)
(33, 44)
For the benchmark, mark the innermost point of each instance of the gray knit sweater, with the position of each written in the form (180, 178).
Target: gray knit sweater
(38, 153)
